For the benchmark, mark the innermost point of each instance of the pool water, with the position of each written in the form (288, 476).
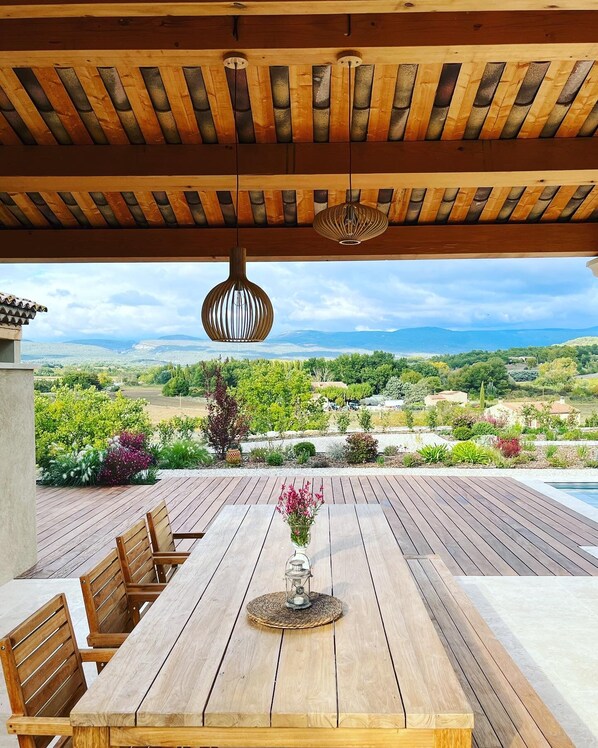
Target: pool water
(587, 492)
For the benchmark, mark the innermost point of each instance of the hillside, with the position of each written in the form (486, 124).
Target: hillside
(185, 349)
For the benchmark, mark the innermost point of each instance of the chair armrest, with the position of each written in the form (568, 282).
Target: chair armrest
(145, 593)
(106, 640)
(168, 559)
(17, 725)
(187, 535)
(97, 655)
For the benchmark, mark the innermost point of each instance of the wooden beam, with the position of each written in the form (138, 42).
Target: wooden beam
(300, 40)
(131, 8)
(301, 166)
(299, 244)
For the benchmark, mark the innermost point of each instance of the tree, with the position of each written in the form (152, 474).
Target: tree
(83, 379)
(558, 373)
(74, 419)
(394, 389)
(492, 372)
(432, 418)
(364, 419)
(409, 419)
(225, 424)
(410, 376)
(277, 396)
(176, 386)
(482, 397)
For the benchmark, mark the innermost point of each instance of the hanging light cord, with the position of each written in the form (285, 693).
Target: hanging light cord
(236, 155)
(349, 132)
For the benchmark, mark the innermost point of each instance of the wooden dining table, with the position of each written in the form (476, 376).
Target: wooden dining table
(197, 672)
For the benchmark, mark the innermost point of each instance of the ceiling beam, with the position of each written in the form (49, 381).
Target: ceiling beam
(306, 166)
(131, 8)
(300, 244)
(307, 39)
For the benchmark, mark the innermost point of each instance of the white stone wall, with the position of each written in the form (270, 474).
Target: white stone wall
(18, 546)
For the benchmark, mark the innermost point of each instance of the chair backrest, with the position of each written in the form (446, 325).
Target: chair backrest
(105, 597)
(135, 555)
(161, 536)
(42, 667)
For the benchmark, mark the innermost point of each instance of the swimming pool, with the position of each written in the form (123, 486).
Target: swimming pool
(587, 492)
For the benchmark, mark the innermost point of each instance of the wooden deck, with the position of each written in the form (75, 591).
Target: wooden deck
(478, 526)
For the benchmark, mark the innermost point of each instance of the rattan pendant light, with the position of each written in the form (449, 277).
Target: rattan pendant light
(237, 310)
(350, 222)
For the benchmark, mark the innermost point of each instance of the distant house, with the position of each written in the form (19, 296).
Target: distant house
(511, 412)
(449, 396)
(324, 385)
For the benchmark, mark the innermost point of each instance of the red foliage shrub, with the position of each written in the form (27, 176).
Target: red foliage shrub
(125, 457)
(509, 447)
(225, 425)
(361, 448)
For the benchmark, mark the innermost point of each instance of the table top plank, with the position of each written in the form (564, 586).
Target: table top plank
(242, 693)
(305, 693)
(114, 698)
(179, 693)
(431, 693)
(368, 693)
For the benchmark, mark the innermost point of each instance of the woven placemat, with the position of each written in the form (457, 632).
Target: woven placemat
(270, 610)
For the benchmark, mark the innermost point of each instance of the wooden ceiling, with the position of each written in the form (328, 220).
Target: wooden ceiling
(475, 132)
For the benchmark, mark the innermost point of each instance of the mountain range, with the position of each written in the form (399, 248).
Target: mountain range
(185, 349)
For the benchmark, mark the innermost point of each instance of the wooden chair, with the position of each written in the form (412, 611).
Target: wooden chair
(162, 537)
(111, 612)
(139, 563)
(44, 674)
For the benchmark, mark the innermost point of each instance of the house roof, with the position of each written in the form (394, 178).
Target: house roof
(556, 407)
(16, 312)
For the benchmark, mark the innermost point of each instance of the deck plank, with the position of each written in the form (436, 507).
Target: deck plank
(477, 525)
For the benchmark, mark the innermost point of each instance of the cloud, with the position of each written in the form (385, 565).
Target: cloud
(147, 300)
(134, 298)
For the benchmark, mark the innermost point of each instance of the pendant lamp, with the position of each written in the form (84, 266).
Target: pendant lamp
(237, 310)
(350, 222)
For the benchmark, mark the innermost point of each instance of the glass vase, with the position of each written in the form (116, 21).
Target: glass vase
(300, 539)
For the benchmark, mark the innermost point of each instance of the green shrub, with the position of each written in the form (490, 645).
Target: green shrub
(380, 460)
(432, 453)
(275, 458)
(558, 461)
(409, 419)
(528, 446)
(551, 451)
(590, 435)
(364, 419)
(337, 451)
(462, 433)
(73, 468)
(304, 448)
(390, 451)
(512, 432)
(145, 477)
(302, 458)
(583, 452)
(258, 454)
(591, 464)
(343, 421)
(483, 428)
(320, 462)
(471, 453)
(573, 435)
(182, 454)
(412, 459)
(361, 448)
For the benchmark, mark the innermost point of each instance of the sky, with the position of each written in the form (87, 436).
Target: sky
(136, 301)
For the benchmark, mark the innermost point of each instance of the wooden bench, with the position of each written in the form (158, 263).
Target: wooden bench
(508, 712)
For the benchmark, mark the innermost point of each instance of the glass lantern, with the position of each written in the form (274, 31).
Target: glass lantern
(297, 581)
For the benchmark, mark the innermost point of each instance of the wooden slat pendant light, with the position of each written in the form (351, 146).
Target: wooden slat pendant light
(237, 310)
(350, 223)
